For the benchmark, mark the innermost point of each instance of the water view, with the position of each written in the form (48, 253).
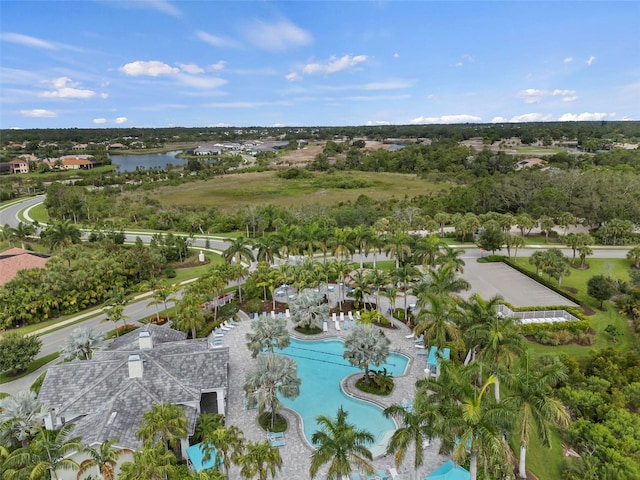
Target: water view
(129, 163)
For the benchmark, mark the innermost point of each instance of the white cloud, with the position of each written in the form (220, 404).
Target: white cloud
(534, 95)
(293, 77)
(245, 104)
(162, 6)
(458, 64)
(190, 68)
(216, 40)
(216, 67)
(499, 120)
(277, 36)
(152, 68)
(201, 82)
(372, 123)
(462, 118)
(334, 64)
(582, 117)
(532, 117)
(570, 99)
(396, 55)
(104, 95)
(99, 121)
(38, 113)
(388, 85)
(591, 60)
(568, 60)
(120, 120)
(65, 88)
(27, 41)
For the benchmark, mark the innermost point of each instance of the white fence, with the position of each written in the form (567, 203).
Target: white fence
(537, 316)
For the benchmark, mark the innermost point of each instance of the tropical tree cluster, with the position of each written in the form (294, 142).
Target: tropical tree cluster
(75, 279)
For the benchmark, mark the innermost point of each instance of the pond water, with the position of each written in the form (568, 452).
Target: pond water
(129, 163)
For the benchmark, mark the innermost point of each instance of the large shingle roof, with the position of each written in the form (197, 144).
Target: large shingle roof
(103, 402)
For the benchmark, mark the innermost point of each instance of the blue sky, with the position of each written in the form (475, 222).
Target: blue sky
(161, 63)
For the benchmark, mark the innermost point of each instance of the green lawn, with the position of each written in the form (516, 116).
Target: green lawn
(38, 213)
(258, 188)
(617, 268)
(33, 366)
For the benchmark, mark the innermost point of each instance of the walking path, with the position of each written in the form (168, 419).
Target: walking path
(296, 454)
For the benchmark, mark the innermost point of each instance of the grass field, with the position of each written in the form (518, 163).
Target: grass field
(257, 188)
(38, 213)
(617, 268)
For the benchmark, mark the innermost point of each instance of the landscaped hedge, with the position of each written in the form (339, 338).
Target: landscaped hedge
(541, 280)
(581, 325)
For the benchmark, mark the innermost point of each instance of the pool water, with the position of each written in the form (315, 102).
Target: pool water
(321, 369)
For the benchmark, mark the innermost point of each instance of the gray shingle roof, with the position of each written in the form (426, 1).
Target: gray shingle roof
(103, 402)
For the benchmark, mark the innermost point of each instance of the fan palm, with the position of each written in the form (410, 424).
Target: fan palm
(268, 333)
(340, 444)
(366, 345)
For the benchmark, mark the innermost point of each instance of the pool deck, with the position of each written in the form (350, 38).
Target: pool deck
(296, 454)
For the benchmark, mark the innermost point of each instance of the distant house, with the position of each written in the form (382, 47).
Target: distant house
(79, 146)
(81, 162)
(530, 162)
(116, 146)
(16, 259)
(18, 165)
(107, 396)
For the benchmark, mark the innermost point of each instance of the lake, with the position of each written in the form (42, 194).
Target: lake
(129, 163)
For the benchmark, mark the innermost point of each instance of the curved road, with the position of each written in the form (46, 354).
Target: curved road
(139, 309)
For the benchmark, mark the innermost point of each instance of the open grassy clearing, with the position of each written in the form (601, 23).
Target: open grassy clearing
(257, 188)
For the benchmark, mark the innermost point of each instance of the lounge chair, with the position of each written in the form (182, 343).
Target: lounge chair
(337, 325)
(413, 335)
(393, 472)
(420, 339)
(325, 326)
(222, 326)
(233, 323)
(287, 313)
(383, 474)
(277, 443)
(273, 314)
(334, 317)
(228, 325)
(342, 316)
(274, 435)
(421, 350)
(345, 325)
(219, 332)
(417, 345)
(350, 315)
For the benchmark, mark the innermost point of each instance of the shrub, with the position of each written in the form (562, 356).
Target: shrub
(562, 337)
(292, 173)
(254, 305)
(169, 272)
(544, 337)
(587, 338)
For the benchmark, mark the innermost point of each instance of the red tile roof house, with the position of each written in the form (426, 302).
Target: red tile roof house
(18, 165)
(16, 259)
(72, 163)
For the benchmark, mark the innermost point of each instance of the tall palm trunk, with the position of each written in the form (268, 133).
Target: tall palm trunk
(473, 465)
(522, 469)
(496, 390)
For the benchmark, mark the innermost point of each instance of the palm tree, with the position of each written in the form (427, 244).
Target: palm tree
(397, 245)
(61, 234)
(47, 453)
(342, 243)
(362, 236)
(340, 444)
(228, 444)
(274, 377)
(80, 343)
(266, 248)
(311, 238)
(515, 242)
(341, 268)
(443, 281)
(583, 251)
(416, 425)
(634, 256)
(189, 314)
(285, 238)
(366, 345)
(148, 463)
(165, 424)
(404, 275)
(376, 279)
(428, 249)
(115, 313)
(260, 459)
(104, 459)
(469, 423)
(436, 321)
(23, 231)
(268, 333)
(451, 256)
(497, 340)
(360, 287)
(21, 417)
(207, 423)
(531, 396)
(239, 250)
(391, 293)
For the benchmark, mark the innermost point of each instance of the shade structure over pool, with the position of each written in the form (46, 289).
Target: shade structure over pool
(449, 471)
(196, 456)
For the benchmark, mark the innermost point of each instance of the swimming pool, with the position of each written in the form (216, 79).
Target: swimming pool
(321, 369)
